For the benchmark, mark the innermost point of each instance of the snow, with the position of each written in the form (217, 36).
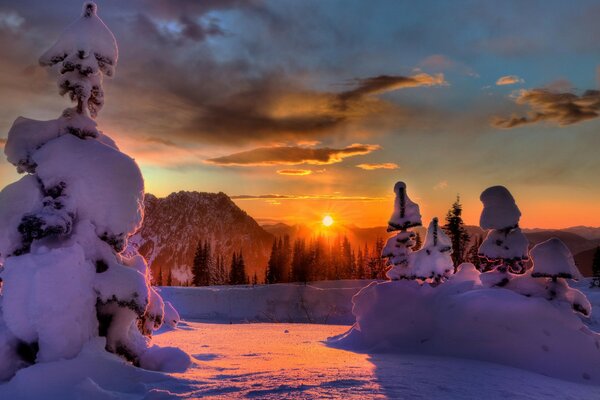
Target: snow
(281, 360)
(265, 303)
(63, 228)
(505, 245)
(553, 258)
(499, 209)
(17, 199)
(88, 35)
(462, 318)
(105, 185)
(34, 310)
(406, 213)
(433, 260)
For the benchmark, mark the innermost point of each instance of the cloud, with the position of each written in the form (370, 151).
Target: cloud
(280, 197)
(441, 185)
(373, 166)
(508, 80)
(562, 108)
(294, 172)
(292, 155)
(282, 107)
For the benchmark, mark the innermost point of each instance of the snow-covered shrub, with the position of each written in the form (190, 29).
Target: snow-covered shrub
(64, 226)
(505, 248)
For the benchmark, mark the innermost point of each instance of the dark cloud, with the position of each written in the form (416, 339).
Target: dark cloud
(562, 108)
(277, 107)
(290, 155)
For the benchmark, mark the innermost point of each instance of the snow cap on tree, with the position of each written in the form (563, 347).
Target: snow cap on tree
(499, 209)
(437, 238)
(398, 247)
(406, 213)
(553, 259)
(433, 260)
(505, 245)
(86, 50)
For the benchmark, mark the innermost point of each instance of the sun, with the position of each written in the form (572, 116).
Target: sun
(327, 220)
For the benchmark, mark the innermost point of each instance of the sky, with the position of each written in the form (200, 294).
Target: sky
(298, 109)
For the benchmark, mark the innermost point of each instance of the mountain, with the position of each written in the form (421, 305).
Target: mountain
(588, 232)
(174, 225)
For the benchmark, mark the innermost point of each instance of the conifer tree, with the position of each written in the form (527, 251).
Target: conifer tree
(596, 268)
(455, 229)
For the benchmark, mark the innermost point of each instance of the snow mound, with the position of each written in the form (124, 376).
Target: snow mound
(93, 374)
(462, 318)
(552, 258)
(499, 209)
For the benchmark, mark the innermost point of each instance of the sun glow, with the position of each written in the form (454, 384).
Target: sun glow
(327, 220)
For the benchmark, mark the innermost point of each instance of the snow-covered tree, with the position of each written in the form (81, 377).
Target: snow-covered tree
(65, 224)
(553, 261)
(398, 247)
(505, 248)
(433, 262)
(406, 213)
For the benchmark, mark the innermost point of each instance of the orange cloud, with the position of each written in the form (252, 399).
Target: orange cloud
(279, 197)
(508, 80)
(294, 172)
(292, 155)
(373, 166)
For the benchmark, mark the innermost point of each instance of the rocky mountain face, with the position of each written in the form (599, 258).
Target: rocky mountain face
(173, 226)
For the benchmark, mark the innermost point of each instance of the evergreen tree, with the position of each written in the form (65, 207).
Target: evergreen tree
(596, 268)
(237, 275)
(360, 265)
(159, 278)
(455, 229)
(272, 267)
(201, 265)
(255, 280)
(169, 279)
(300, 262)
(473, 255)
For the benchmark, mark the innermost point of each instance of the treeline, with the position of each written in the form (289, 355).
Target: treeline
(209, 269)
(321, 258)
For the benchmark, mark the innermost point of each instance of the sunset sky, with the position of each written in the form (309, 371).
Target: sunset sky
(299, 109)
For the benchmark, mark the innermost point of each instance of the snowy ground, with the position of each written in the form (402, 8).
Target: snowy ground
(290, 361)
(282, 360)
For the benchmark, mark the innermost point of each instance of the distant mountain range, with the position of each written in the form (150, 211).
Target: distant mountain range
(174, 225)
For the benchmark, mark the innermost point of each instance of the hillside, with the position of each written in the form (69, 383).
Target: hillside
(174, 225)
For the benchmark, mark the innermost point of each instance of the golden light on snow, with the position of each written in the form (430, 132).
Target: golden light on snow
(327, 220)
